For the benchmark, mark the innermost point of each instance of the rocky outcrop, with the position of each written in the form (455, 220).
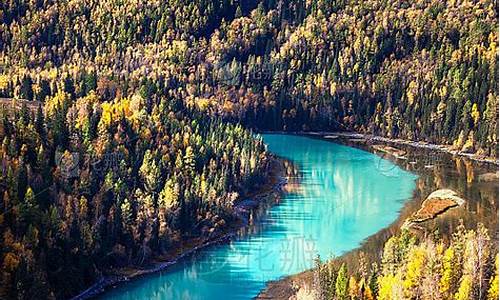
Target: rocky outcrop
(435, 204)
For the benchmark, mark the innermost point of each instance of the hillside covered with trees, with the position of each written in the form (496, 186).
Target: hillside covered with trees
(464, 268)
(425, 70)
(90, 185)
(131, 128)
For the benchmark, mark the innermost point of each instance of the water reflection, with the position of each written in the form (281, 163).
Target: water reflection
(474, 181)
(337, 197)
(467, 178)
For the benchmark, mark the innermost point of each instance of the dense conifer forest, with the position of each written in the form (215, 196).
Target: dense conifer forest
(126, 125)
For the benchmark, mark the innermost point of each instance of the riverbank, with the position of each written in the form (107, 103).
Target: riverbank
(373, 139)
(438, 168)
(244, 207)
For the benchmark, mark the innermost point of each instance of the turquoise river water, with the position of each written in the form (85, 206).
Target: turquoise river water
(345, 195)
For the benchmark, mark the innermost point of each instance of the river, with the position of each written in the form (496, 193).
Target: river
(345, 195)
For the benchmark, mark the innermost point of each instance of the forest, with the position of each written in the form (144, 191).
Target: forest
(127, 125)
(89, 185)
(425, 70)
(465, 267)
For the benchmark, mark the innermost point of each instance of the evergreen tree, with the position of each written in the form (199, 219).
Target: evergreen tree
(341, 284)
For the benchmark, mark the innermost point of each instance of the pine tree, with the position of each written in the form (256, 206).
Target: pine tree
(238, 13)
(40, 124)
(126, 210)
(170, 194)
(465, 289)
(150, 172)
(31, 238)
(372, 280)
(353, 288)
(318, 279)
(450, 271)
(28, 210)
(341, 283)
(414, 270)
(189, 161)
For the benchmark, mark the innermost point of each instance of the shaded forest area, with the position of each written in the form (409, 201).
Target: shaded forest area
(139, 137)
